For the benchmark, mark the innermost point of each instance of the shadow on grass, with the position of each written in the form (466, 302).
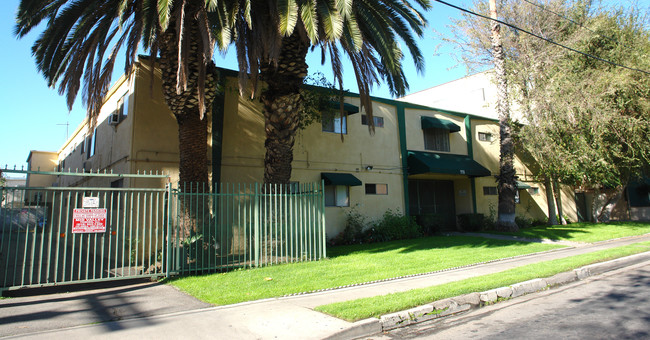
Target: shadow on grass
(419, 244)
(574, 231)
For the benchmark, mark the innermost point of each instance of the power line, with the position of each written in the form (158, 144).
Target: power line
(542, 38)
(576, 23)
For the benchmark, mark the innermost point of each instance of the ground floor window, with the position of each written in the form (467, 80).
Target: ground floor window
(490, 191)
(376, 189)
(337, 196)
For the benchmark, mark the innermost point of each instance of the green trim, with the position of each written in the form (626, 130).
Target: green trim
(218, 108)
(469, 136)
(349, 108)
(420, 162)
(472, 182)
(523, 185)
(393, 102)
(438, 123)
(332, 178)
(401, 127)
(470, 153)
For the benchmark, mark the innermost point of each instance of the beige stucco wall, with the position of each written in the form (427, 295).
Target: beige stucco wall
(315, 152)
(41, 161)
(415, 136)
(533, 206)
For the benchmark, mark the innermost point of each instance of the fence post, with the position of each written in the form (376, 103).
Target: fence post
(256, 224)
(168, 236)
(322, 218)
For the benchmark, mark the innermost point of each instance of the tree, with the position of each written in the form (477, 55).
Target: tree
(366, 31)
(507, 186)
(586, 117)
(78, 35)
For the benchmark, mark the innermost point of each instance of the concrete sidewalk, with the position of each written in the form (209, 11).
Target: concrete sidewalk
(278, 318)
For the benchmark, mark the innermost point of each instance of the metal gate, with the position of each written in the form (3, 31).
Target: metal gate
(56, 235)
(60, 235)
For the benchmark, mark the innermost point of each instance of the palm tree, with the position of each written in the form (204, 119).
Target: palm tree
(79, 34)
(366, 30)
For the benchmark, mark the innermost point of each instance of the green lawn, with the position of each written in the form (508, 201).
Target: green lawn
(352, 264)
(584, 232)
(385, 304)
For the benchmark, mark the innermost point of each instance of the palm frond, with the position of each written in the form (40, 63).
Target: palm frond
(288, 16)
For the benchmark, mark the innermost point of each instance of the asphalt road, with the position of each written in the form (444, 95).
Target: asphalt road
(615, 305)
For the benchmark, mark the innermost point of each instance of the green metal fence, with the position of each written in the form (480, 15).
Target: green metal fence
(61, 235)
(48, 237)
(245, 225)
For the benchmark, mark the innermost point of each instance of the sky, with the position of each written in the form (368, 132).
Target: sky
(35, 117)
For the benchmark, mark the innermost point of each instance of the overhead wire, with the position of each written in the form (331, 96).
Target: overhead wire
(542, 38)
(576, 23)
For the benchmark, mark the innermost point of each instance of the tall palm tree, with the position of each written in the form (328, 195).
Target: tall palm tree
(82, 38)
(366, 31)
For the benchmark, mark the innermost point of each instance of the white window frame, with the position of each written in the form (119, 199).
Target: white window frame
(333, 125)
(340, 198)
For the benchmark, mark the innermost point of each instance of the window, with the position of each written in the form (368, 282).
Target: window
(484, 137)
(379, 121)
(335, 123)
(436, 139)
(123, 106)
(490, 191)
(533, 191)
(376, 189)
(337, 196)
(92, 143)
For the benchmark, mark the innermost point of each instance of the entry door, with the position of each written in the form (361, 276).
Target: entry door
(433, 197)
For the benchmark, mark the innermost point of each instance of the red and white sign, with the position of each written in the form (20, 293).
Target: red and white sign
(88, 221)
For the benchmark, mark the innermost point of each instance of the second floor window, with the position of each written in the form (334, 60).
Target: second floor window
(436, 139)
(379, 121)
(335, 123)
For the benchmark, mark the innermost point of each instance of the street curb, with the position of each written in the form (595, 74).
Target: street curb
(463, 303)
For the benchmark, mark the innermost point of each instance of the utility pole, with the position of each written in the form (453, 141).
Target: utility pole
(507, 186)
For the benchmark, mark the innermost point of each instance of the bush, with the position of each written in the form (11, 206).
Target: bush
(396, 226)
(353, 232)
(431, 223)
(523, 222)
(471, 222)
(392, 226)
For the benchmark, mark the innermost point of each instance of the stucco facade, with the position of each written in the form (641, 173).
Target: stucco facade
(136, 132)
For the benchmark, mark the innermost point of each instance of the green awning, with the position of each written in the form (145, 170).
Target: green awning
(431, 122)
(349, 108)
(426, 162)
(522, 185)
(339, 179)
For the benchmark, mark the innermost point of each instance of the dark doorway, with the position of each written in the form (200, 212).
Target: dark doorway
(433, 202)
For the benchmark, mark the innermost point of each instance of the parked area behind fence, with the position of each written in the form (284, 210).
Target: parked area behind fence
(58, 235)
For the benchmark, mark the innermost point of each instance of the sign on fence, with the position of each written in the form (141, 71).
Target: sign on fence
(88, 221)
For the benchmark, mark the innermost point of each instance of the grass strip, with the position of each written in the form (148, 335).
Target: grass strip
(349, 265)
(583, 232)
(379, 305)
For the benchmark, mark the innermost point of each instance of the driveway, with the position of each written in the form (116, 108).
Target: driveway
(124, 300)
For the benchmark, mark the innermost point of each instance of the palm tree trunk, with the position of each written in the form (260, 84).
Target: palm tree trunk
(183, 101)
(506, 180)
(282, 107)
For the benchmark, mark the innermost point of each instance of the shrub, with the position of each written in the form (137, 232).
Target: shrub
(523, 222)
(396, 226)
(431, 223)
(353, 232)
(471, 222)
